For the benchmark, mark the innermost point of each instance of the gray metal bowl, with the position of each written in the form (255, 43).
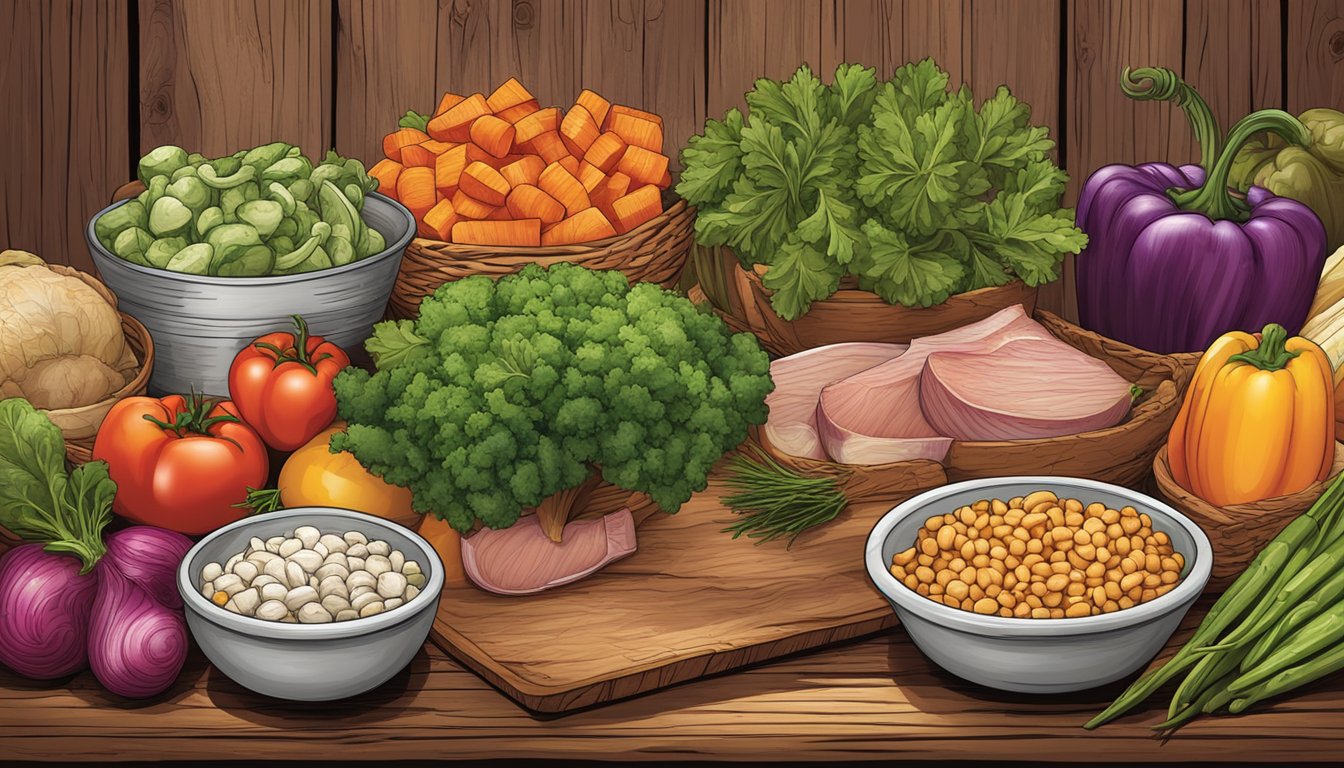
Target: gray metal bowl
(200, 322)
(1037, 655)
(309, 662)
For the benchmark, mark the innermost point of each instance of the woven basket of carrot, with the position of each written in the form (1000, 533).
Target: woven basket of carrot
(1253, 445)
(497, 182)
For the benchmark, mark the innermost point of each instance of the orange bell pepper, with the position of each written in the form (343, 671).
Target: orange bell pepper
(1257, 421)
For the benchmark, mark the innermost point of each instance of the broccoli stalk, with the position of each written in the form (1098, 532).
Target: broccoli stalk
(520, 394)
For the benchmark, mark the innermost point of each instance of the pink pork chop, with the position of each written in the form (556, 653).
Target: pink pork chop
(874, 417)
(1023, 390)
(521, 560)
(799, 379)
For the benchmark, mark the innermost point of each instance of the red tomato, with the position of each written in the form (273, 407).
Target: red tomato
(180, 463)
(282, 385)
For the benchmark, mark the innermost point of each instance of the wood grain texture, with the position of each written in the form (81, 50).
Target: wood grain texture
(878, 699)
(1315, 54)
(221, 76)
(64, 116)
(691, 602)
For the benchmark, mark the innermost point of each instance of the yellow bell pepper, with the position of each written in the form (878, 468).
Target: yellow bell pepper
(313, 476)
(1257, 421)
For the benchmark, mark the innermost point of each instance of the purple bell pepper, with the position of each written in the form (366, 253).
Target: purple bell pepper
(1173, 259)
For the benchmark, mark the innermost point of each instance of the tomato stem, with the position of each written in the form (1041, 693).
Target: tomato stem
(195, 419)
(298, 353)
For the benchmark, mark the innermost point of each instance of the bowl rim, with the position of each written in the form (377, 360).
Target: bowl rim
(973, 623)
(274, 630)
(403, 239)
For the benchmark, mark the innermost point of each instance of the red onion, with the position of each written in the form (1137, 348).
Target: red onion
(137, 645)
(149, 557)
(44, 612)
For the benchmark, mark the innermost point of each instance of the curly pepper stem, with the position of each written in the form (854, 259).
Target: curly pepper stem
(1214, 199)
(1162, 84)
(1272, 354)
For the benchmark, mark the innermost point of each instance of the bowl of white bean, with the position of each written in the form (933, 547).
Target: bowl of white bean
(310, 603)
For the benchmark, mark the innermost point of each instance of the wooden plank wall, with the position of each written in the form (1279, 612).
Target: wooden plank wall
(87, 85)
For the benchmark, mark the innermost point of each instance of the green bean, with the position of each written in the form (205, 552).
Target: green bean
(1320, 633)
(1198, 706)
(1228, 608)
(1314, 669)
(1211, 667)
(1331, 591)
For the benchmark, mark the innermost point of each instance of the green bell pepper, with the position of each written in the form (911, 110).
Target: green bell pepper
(1312, 174)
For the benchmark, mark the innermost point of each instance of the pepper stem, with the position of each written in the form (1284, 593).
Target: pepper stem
(1272, 354)
(1162, 84)
(1214, 199)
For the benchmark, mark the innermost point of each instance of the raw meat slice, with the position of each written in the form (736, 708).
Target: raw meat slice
(1023, 390)
(799, 379)
(521, 559)
(874, 417)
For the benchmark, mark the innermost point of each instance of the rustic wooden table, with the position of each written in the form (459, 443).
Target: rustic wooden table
(872, 699)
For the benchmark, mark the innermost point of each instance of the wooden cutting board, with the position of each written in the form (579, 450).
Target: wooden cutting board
(691, 602)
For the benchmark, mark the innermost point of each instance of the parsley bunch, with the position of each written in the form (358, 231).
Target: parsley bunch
(905, 185)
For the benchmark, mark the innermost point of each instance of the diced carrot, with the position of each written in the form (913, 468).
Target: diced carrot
(596, 105)
(440, 220)
(485, 184)
(455, 123)
(620, 109)
(590, 176)
(533, 125)
(519, 232)
(425, 153)
(510, 93)
(571, 164)
(637, 207)
(469, 207)
(386, 172)
(397, 140)
(519, 111)
(500, 214)
(666, 181)
(561, 184)
(615, 187)
(605, 152)
(578, 130)
(642, 166)
(525, 170)
(415, 190)
(529, 202)
(492, 134)
(448, 168)
(583, 227)
(637, 131)
(448, 101)
(549, 146)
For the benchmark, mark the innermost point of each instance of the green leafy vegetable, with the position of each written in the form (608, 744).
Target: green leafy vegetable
(904, 185)
(39, 500)
(413, 119)
(504, 393)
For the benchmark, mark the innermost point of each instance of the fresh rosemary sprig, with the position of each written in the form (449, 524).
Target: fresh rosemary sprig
(773, 500)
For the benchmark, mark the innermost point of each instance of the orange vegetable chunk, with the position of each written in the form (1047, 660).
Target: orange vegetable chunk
(469, 207)
(529, 202)
(642, 166)
(590, 176)
(571, 164)
(492, 134)
(448, 168)
(578, 130)
(666, 181)
(583, 227)
(425, 153)
(637, 207)
(386, 172)
(606, 152)
(596, 105)
(485, 184)
(519, 232)
(510, 93)
(394, 142)
(455, 123)
(608, 192)
(549, 146)
(440, 219)
(517, 112)
(533, 125)
(448, 101)
(621, 109)
(415, 190)
(561, 185)
(525, 170)
(637, 131)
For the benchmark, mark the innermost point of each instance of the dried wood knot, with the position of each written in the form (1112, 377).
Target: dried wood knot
(1337, 45)
(524, 15)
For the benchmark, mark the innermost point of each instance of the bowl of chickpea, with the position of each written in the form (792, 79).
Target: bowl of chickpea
(1038, 584)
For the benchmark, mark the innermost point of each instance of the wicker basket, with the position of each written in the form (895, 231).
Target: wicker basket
(80, 425)
(739, 297)
(1238, 532)
(1121, 454)
(653, 252)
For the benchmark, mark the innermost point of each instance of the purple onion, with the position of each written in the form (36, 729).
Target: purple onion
(149, 557)
(137, 645)
(45, 606)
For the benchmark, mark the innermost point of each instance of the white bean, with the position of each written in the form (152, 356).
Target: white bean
(410, 593)
(308, 535)
(208, 591)
(347, 614)
(260, 559)
(391, 603)
(416, 579)
(298, 596)
(274, 591)
(295, 575)
(372, 609)
(333, 585)
(355, 537)
(313, 613)
(362, 589)
(321, 549)
(354, 563)
(336, 558)
(357, 550)
(380, 547)
(228, 566)
(247, 601)
(335, 604)
(411, 567)
(276, 570)
(377, 565)
(289, 619)
(273, 544)
(333, 543)
(332, 570)
(246, 570)
(255, 545)
(397, 560)
(361, 579)
(272, 610)
(289, 547)
(369, 598)
(307, 559)
(230, 584)
(212, 571)
(391, 584)
(264, 579)
(231, 606)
